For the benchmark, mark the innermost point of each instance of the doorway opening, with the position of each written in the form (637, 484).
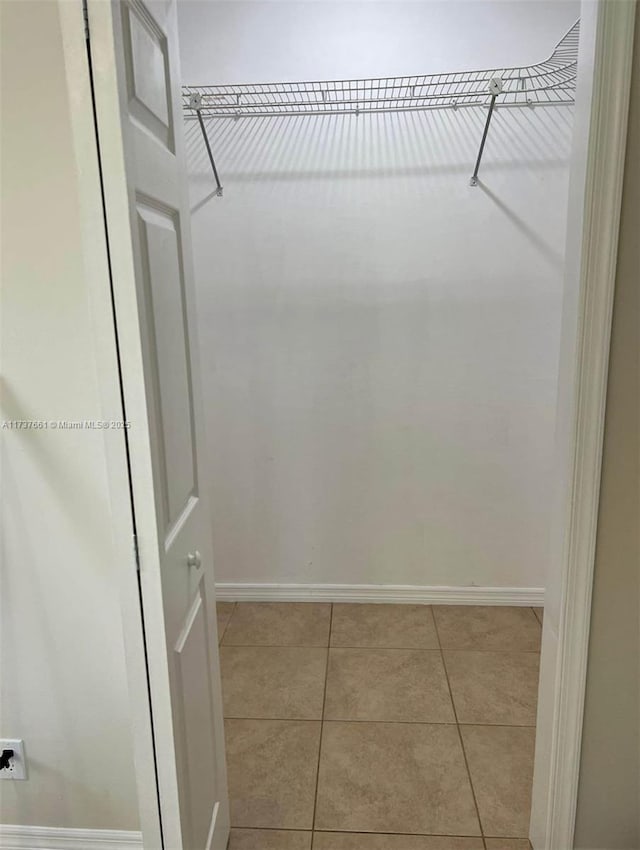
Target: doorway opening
(386, 401)
(379, 348)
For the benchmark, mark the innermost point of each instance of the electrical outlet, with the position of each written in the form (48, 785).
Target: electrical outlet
(17, 767)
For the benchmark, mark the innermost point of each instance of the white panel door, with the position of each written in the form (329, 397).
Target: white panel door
(134, 56)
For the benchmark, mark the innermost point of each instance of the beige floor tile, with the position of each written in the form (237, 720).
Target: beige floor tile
(508, 844)
(539, 612)
(387, 684)
(224, 610)
(269, 839)
(394, 777)
(279, 624)
(372, 841)
(500, 761)
(281, 682)
(384, 626)
(272, 768)
(494, 687)
(487, 627)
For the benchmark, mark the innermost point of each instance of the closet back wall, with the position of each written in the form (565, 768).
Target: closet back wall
(379, 340)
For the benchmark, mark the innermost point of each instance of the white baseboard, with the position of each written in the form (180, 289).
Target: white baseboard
(399, 593)
(49, 838)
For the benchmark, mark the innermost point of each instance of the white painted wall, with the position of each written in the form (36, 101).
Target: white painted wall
(379, 340)
(63, 680)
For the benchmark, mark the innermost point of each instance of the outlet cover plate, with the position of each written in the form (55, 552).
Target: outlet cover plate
(17, 766)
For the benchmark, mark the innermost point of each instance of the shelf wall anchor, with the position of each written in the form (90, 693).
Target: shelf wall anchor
(495, 87)
(195, 102)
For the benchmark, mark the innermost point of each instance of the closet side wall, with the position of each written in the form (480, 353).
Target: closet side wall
(63, 682)
(379, 340)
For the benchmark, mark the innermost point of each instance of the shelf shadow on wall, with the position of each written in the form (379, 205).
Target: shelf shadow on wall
(405, 157)
(556, 258)
(395, 145)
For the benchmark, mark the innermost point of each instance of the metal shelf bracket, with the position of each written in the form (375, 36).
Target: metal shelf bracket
(495, 87)
(195, 103)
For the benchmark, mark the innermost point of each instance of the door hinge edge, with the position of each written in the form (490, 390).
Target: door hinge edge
(136, 552)
(85, 15)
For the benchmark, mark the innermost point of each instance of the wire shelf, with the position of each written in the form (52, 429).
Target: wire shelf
(548, 83)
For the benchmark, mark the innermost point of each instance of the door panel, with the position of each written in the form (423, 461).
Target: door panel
(163, 282)
(191, 658)
(141, 144)
(147, 64)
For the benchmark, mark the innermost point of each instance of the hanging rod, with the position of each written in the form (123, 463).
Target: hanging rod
(548, 83)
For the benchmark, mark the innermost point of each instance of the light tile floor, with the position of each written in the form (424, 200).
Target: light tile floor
(379, 727)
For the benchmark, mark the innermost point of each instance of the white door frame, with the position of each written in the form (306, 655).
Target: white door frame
(595, 199)
(595, 195)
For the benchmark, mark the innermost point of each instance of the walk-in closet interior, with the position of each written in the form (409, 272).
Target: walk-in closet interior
(379, 201)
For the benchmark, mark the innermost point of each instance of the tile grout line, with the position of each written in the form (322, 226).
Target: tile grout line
(455, 714)
(226, 625)
(369, 832)
(324, 700)
(374, 648)
(385, 722)
(379, 722)
(535, 614)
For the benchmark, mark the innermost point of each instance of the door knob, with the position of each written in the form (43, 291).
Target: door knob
(194, 559)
